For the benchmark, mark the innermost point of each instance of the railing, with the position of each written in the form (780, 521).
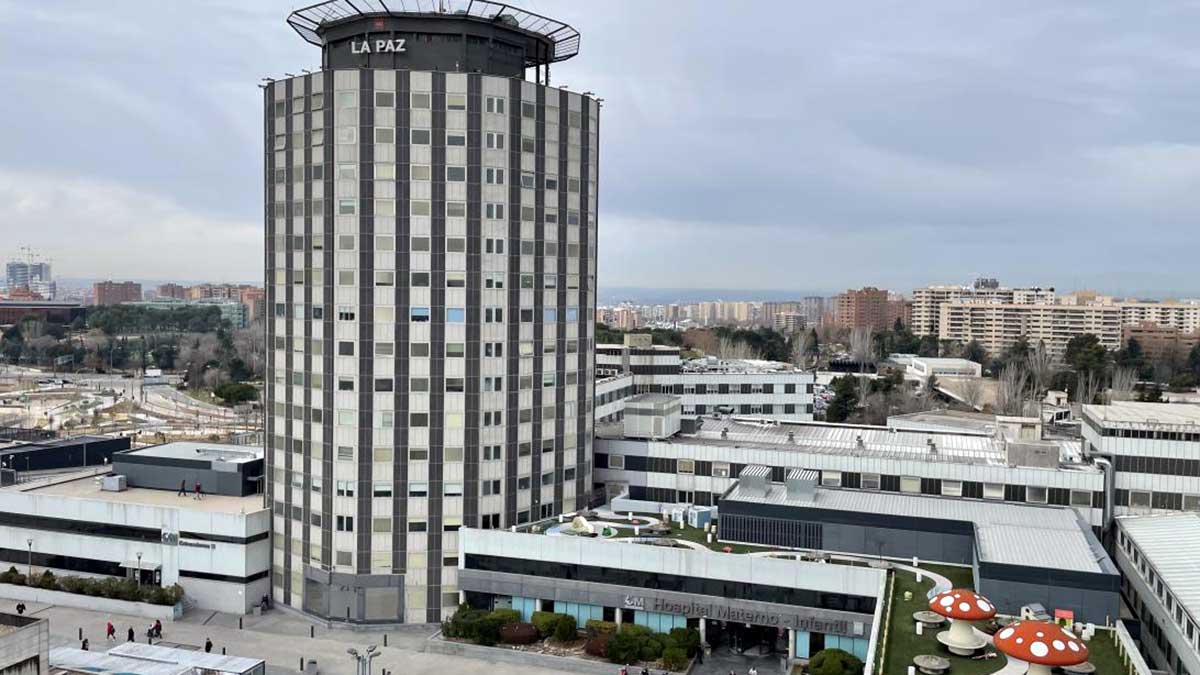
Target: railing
(877, 652)
(27, 435)
(1135, 664)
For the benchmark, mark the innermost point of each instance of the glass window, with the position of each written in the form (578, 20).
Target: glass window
(419, 244)
(456, 174)
(385, 135)
(869, 481)
(456, 209)
(385, 99)
(993, 491)
(420, 137)
(831, 478)
(952, 488)
(456, 101)
(1081, 498)
(456, 140)
(1035, 495)
(456, 315)
(419, 314)
(419, 172)
(420, 207)
(911, 484)
(419, 99)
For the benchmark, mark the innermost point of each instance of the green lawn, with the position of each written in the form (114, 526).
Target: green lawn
(1104, 655)
(903, 643)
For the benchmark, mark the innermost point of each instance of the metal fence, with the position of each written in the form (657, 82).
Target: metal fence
(26, 435)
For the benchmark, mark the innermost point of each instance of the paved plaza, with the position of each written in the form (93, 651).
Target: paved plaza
(279, 637)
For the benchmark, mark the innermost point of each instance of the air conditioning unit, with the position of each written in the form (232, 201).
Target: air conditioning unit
(115, 483)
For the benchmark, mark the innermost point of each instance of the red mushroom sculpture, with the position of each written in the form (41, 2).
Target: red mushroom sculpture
(962, 606)
(1044, 645)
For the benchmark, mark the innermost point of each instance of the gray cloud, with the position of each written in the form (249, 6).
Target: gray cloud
(780, 145)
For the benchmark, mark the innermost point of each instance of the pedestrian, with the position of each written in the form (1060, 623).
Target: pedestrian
(110, 632)
(645, 670)
(84, 645)
(199, 493)
(623, 671)
(182, 488)
(20, 608)
(158, 629)
(131, 636)
(207, 645)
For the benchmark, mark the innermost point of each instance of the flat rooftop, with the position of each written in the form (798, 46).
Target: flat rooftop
(1028, 535)
(1136, 412)
(839, 439)
(142, 659)
(234, 454)
(945, 420)
(86, 485)
(1171, 543)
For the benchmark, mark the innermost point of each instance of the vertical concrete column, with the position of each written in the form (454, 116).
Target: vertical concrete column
(618, 618)
(791, 645)
(703, 632)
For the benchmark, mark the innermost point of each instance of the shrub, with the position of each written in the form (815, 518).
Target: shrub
(46, 580)
(636, 630)
(835, 662)
(596, 627)
(566, 630)
(625, 647)
(11, 576)
(519, 633)
(507, 615)
(598, 645)
(487, 631)
(545, 622)
(651, 649)
(674, 658)
(687, 639)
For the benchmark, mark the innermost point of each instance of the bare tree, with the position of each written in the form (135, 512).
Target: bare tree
(1041, 368)
(1010, 390)
(801, 344)
(860, 345)
(731, 349)
(972, 391)
(864, 391)
(1086, 387)
(1121, 388)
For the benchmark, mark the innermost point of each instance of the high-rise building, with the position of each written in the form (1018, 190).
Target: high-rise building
(431, 258)
(115, 292)
(29, 277)
(927, 301)
(871, 308)
(998, 326)
(172, 291)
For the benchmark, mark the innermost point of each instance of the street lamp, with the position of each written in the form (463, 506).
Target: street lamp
(29, 542)
(362, 662)
(139, 572)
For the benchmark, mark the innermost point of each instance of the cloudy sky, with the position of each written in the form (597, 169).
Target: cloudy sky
(776, 145)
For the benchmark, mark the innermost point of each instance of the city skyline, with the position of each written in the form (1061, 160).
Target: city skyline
(853, 154)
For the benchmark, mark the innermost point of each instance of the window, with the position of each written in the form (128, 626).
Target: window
(381, 489)
(456, 140)
(1191, 502)
(528, 144)
(345, 523)
(456, 174)
(418, 349)
(385, 99)
(385, 135)
(318, 101)
(419, 244)
(551, 182)
(993, 491)
(1139, 499)
(419, 100)
(952, 488)
(455, 350)
(419, 137)
(385, 278)
(831, 478)
(494, 140)
(910, 484)
(869, 481)
(1035, 495)
(456, 244)
(456, 279)
(345, 488)
(418, 489)
(494, 104)
(456, 209)
(345, 348)
(345, 277)
(419, 314)
(456, 315)
(616, 461)
(493, 176)
(1082, 498)
(685, 466)
(346, 207)
(420, 207)
(494, 211)
(528, 180)
(419, 172)
(420, 279)
(528, 110)
(345, 384)
(456, 101)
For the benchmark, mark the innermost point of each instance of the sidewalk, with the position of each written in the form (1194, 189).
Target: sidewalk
(280, 638)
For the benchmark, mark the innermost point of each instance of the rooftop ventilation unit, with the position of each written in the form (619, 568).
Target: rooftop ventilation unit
(801, 485)
(755, 480)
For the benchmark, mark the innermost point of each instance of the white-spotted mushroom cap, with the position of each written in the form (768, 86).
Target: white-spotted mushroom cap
(962, 604)
(1041, 642)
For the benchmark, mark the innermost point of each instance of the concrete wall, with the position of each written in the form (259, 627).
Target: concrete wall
(220, 596)
(25, 651)
(559, 664)
(88, 602)
(1091, 605)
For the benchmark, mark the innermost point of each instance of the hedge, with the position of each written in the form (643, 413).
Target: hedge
(106, 587)
(835, 662)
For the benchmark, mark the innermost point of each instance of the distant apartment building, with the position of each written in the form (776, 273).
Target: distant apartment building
(927, 301)
(254, 299)
(625, 318)
(997, 326)
(172, 291)
(32, 278)
(772, 309)
(872, 308)
(115, 292)
(814, 308)
(1160, 343)
(789, 322)
(1182, 316)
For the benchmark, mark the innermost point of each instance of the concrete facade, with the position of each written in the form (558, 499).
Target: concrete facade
(24, 645)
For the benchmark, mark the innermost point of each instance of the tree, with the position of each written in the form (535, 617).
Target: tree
(1086, 355)
(1041, 368)
(800, 348)
(1010, 390)
(1122, 384)
(928, 346)
(1130, 356)
(845, 399)
(975, 352)
(1193, 359)
(972, 391)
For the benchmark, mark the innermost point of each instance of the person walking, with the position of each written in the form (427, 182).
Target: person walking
(198, 492)
(110, 632)
(182, 488)
(84, 645)
(207, 645)
(131, 636)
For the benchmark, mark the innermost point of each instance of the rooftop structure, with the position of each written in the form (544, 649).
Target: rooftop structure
(87, 485)
(134, 658)
(1137, 413)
